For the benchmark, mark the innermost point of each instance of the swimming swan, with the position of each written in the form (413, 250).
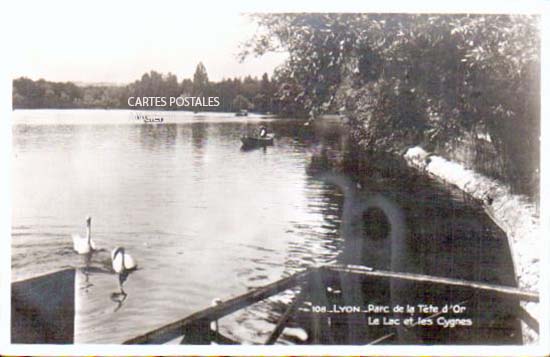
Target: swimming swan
(122, 261)
(123, 264)
(84, 245)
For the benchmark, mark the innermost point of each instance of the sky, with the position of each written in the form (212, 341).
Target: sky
(119, 41)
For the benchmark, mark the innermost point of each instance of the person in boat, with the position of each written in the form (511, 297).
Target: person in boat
(263, 131)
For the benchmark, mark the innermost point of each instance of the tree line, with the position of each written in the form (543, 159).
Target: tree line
(235, 94)
(438, 80)
(443, 81)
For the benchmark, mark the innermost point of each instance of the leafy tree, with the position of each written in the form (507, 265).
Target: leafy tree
(264, 99)
(415, 79)
(186, 87)
(200, 81)
(241, 102)
(44, 94)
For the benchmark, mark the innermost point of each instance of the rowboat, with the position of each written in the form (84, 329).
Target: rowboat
(38, 320)
(320, 305)
(257, 141)
(320, 299)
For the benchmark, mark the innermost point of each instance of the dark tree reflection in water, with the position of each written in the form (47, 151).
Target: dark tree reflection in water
(207, 220)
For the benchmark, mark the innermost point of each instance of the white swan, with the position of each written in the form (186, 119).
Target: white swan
(123, 264)
(122, 261)
(84, 245)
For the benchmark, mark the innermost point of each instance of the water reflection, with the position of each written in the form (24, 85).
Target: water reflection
(94, 264)
(87, 260)
(156, 137)
(118, 298)
(223, 221)
(198, 136)
(249, 148)
(394, 219)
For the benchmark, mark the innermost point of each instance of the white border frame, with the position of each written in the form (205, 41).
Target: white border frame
(13, 25)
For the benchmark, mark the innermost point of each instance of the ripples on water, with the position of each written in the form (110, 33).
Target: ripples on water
(207, 220)
(203, 218)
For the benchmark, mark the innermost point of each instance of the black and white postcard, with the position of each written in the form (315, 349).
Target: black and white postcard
(229, 179)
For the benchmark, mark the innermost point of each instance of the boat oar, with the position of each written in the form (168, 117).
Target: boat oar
(216, 302)
(281, 324)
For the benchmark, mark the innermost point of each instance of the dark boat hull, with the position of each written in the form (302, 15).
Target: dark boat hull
(43, 309)
(249, 141)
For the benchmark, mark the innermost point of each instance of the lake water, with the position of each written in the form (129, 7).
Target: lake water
(205, 219)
